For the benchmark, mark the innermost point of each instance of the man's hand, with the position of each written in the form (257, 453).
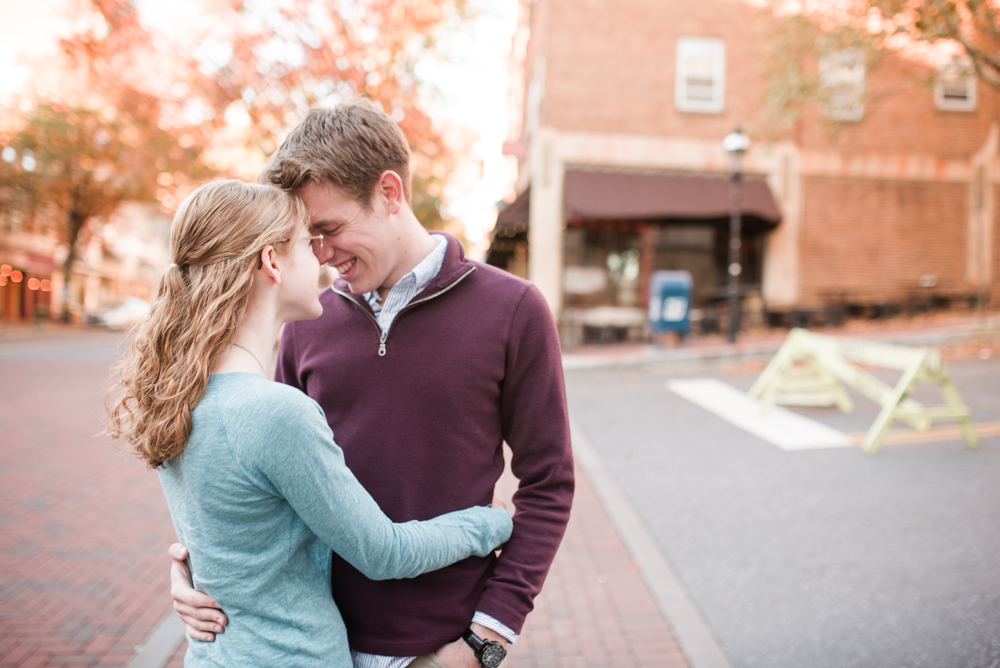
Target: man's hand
(201, 615)
(458, 654)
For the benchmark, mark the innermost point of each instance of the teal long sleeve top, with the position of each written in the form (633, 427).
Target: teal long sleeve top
(260, 496)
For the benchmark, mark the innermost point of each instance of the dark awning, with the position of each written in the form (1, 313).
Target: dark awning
(516, 212)
(646, 196)
(605, 195)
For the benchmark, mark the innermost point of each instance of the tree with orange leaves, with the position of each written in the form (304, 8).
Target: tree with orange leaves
(96, 139)
(263, 67)
(129, 113)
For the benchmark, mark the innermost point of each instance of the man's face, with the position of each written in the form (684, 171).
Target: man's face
(358, 243)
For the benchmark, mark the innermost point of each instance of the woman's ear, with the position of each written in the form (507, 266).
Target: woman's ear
(267, 265)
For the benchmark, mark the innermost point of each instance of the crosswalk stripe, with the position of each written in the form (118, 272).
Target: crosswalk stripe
(778, 426)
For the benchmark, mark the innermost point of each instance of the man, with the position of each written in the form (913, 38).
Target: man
(425, 363)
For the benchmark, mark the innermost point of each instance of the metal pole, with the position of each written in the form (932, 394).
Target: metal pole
(735, 242)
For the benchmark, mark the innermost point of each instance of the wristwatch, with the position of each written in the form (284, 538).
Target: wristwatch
(489, 652)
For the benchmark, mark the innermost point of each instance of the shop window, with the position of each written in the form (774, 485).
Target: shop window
(701, 75)
(601, 264)
(842, 77)
(955, 86)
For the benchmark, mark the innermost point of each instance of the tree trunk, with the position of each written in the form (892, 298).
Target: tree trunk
(74, 224)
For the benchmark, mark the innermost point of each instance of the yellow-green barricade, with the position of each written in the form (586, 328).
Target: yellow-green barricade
(809, 368)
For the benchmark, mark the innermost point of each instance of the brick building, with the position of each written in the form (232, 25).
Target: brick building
(620, 111)
(123, 258)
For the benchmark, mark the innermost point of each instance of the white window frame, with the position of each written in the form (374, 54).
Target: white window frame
(955, 72)
(842, 78)
(688, 47)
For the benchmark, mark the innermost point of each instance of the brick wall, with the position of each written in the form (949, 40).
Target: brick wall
(995, 286)
(611, 65)
(876, 239)
(611, 68)
(901, 117)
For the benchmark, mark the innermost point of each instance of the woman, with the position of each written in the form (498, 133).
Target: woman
(257, 487)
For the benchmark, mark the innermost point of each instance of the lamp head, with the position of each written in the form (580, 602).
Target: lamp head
(736, 143)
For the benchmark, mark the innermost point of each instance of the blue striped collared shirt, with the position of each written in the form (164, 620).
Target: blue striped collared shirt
(408, 286)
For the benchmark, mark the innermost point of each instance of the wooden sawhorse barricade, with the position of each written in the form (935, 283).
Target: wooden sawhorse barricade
(809, 368)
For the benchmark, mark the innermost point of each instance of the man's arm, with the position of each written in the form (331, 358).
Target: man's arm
(536, 427)
(202, 616)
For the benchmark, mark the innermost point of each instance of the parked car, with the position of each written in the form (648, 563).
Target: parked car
(129, 312)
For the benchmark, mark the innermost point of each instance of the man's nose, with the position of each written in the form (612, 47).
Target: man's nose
(325, 254)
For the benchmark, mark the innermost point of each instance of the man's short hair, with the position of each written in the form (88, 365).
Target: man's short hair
(349, 146)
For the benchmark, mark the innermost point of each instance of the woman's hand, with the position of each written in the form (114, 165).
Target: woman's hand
(202, 617)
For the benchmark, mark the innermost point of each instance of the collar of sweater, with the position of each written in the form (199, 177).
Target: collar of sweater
(454, 267)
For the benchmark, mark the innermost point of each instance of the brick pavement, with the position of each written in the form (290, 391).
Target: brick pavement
(595, 609)
(84, 530)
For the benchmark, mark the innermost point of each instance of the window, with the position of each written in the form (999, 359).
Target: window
(842, 77)
(701, 74)
(955, 87)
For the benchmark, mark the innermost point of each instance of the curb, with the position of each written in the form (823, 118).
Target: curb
(764, 351)
(700, 647)
(161, 644)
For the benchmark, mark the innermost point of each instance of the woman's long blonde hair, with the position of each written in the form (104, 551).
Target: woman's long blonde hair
(216, 238)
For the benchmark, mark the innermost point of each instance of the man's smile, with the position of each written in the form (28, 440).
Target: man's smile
(342, 269)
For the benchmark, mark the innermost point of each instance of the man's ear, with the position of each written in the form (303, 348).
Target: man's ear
(390, 186)
(267, 265)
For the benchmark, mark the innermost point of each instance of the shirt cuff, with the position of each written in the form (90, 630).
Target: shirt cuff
(483, 619)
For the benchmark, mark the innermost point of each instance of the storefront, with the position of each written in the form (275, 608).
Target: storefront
(620, 226)
(25, 286)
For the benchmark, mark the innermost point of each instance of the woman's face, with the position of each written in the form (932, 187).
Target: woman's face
(299, 298)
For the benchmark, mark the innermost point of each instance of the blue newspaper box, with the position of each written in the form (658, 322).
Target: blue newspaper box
(670, 302)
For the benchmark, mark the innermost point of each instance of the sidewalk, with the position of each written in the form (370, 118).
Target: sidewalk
(758, 345)
(45, 329)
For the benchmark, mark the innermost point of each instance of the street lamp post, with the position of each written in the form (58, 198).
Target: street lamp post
(736, 144)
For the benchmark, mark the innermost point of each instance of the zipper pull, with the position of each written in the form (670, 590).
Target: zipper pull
(381, 344)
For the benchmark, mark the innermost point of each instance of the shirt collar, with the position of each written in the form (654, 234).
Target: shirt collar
(425, 271)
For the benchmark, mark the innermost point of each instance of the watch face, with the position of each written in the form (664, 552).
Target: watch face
(492, 655)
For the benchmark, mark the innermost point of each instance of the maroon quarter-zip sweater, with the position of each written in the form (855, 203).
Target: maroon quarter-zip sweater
(471, 362)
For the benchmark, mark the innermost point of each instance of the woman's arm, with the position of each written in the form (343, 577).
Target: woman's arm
(307, 468)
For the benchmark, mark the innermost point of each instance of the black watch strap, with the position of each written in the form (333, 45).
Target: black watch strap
(490, 653)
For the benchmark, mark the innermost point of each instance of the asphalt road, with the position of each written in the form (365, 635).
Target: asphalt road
(814, 559)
